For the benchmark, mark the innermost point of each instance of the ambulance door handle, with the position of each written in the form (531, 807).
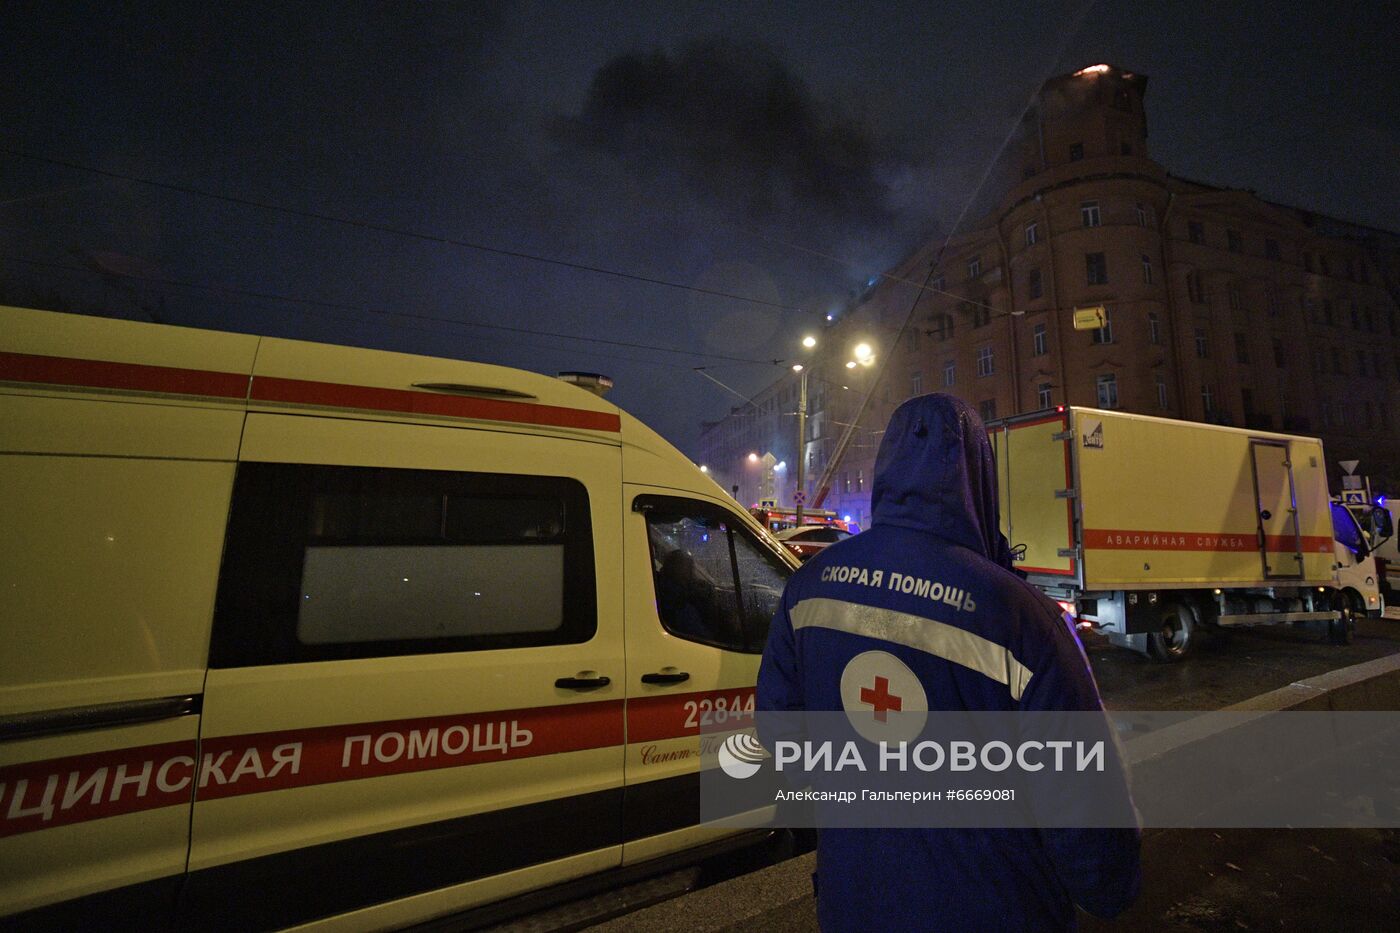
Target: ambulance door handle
(665, 677)
(582, 683)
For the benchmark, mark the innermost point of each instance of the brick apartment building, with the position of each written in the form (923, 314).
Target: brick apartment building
(1222, 307)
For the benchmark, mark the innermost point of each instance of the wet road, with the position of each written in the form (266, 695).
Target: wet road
(1231, 667)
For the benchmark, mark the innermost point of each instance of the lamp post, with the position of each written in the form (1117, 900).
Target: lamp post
(800, 495)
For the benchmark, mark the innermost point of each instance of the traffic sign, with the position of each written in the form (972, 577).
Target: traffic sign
(799, 497)
(1349, 465)
(1090, 318)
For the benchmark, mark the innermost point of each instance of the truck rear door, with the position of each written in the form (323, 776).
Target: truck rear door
(1280, 546)
(1034, 476)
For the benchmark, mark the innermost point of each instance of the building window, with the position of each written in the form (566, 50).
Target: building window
(1161, 382)
(1376, 366)
(981, 315)
(1039, 343)
(860, 480)
(1202, 345)
(1105, 334)
(1107, 384)
(1365, 276)
(913, 344)
(1028, 171)
(1323, 264)
(1355, 317)
(1234, 241)
(974, 267)
(1271, 300)
(1247, 403)
(1032, 234)
(1154, 329)
(1371, 321)
(1241, 347)
(950, 373)
(1076, 152)
(1089, 213)
(1280, 360)
(1196, 231)
(986, 362)
(1307, 261)
(1337, 362)
(1385, 414)
(1096, 268)
(1194, 289)
(939, 283)
(916, 383)
(1033, 285)
(1125, 147)
(1271, 249)
(1319, 359)
(1042, 395)
(943, 327)
(1208, 398)
(1327, 316)
(987, 408)
(1141, 214)
(1146, 269)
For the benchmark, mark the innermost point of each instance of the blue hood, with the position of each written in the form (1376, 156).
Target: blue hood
(935, 473)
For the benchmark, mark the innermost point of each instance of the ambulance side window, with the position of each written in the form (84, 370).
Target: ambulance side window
(326, 562)
(714, 583)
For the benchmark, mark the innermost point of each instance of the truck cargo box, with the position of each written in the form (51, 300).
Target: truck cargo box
(1104, 500)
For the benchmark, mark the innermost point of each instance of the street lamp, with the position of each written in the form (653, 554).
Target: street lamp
(800, 496)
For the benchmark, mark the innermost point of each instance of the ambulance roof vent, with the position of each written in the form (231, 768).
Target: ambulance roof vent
(596, 383)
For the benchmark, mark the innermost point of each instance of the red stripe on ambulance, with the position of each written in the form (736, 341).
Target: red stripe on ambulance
(59, 791)
(672, 716)
(331, 395)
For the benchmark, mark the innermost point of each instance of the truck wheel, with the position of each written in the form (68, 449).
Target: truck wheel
(1176, 636)
(1341, 630)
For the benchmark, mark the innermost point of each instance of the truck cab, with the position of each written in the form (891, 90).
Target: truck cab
(1357, 573)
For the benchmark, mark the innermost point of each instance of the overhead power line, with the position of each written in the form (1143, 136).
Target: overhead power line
(392, 230)
(365, 309)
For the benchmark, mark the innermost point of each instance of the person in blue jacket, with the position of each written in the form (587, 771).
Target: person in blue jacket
(935, 516)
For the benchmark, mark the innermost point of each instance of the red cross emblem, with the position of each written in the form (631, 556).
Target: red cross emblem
(881, 698)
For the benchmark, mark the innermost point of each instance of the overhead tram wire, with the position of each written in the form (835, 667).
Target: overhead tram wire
(192, 191)
(335, 306)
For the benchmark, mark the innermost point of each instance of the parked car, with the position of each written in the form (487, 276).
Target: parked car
(807, 540)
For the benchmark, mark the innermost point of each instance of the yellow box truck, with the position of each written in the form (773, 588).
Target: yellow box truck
(1150, 528)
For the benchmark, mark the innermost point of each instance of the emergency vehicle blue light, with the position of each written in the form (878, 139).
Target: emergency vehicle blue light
(1380, 501)
(705, 537)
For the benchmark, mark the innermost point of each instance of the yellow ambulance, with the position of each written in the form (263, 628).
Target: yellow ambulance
(303, 634)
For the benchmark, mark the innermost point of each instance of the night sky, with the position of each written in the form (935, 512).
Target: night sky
(327, 171)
